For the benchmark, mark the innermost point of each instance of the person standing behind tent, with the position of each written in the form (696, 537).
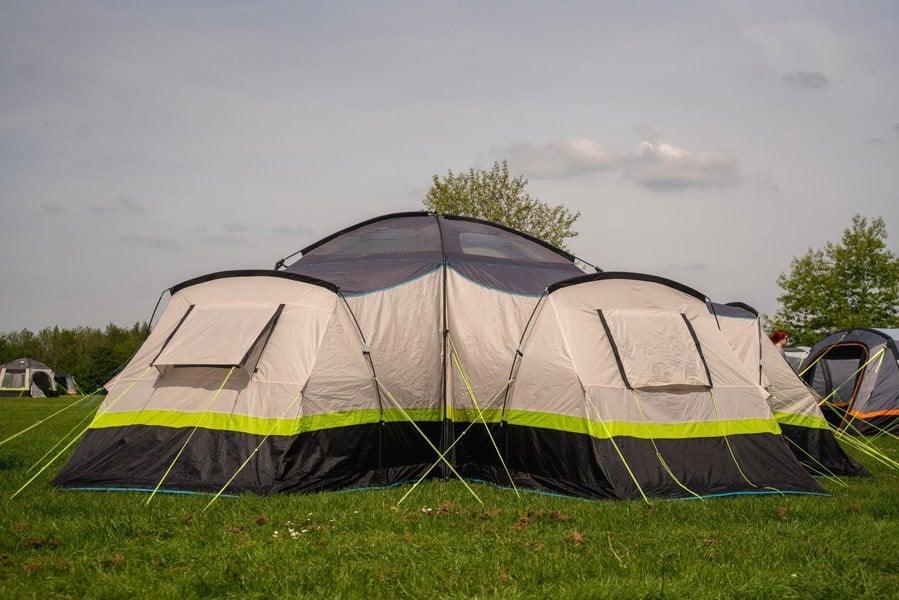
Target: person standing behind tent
(779, 339)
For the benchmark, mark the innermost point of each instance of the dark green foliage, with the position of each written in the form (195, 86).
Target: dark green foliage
(498, 197)
(91, 355)
(854, 283)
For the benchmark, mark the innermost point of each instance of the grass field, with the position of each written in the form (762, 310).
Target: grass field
(440, 542)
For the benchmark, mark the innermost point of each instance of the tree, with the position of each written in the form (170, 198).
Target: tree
(498, 197)
(851, 284)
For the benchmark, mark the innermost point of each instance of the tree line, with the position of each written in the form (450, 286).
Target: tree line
(91, 355)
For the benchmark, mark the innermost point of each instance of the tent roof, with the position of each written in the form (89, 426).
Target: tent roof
(861, 335)
(626, 275)
(893, 333)
(252, 273)
(393, 249)
(25, 363)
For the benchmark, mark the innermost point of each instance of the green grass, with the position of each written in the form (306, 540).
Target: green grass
(440, 542)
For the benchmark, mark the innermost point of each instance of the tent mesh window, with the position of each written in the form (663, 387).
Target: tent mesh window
(483, 244)
(837, 373)
(656, 348)
(13, 380)
(391, 236)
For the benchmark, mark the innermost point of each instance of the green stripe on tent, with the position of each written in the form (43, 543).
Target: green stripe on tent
(257, 425)
(263, 426)
(802, 420)
(600, 430)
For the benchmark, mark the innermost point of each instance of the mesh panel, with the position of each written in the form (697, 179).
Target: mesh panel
(479, 240)
(407, 235)
(838, 371)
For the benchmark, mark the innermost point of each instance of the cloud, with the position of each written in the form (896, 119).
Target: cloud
(692, 267)
(560, 159)
(224, 240)
(294, 230)
(809, 80)
(663, 167)
(158, 243)
(122, 204)
(235, 227)
(896, 128)
(54, 208)
(763, 182)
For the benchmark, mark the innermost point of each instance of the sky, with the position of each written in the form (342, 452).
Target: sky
(146, 143)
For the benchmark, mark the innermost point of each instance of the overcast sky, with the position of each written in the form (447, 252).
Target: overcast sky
(145, 143)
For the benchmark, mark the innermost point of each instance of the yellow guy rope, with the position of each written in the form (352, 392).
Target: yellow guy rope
(822, 470)
(656, 448)
(189, 437)
(256, 449)
(458, 362)
(615, 446)
(61, 440)
(726, 440)
(77, 437)
(451, 446)
(44, 420)
(425, 438)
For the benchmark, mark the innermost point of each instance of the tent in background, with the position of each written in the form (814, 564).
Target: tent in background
(795, 355)
(856, 372)
(27, 377)
(794, 405)
(65, 383)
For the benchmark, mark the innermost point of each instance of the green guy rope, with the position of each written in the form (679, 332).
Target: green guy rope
(425, 438)
(615, 446)
(189, 437)
(255, 450)
(458, 362)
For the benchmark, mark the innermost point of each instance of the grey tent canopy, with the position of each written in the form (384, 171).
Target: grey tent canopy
(856, 372)
(27, 377)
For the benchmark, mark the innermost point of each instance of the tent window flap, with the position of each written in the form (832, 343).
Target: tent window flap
(655, 348)
(218, 335)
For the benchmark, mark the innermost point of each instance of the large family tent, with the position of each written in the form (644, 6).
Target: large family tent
(26, 377)
(625, 387)
(856, 372)
(417, 345)
(794, 404)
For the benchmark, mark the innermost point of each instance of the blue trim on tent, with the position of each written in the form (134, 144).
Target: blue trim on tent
(395, 285)
(488, 287)
(146, 490)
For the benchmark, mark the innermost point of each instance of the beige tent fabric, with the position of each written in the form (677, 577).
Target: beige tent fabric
(656, 348)
(217, 335)
(313, 323)
(567, 354)
(402, 327)
(485, 327)
(744, 336)
(760, 357)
